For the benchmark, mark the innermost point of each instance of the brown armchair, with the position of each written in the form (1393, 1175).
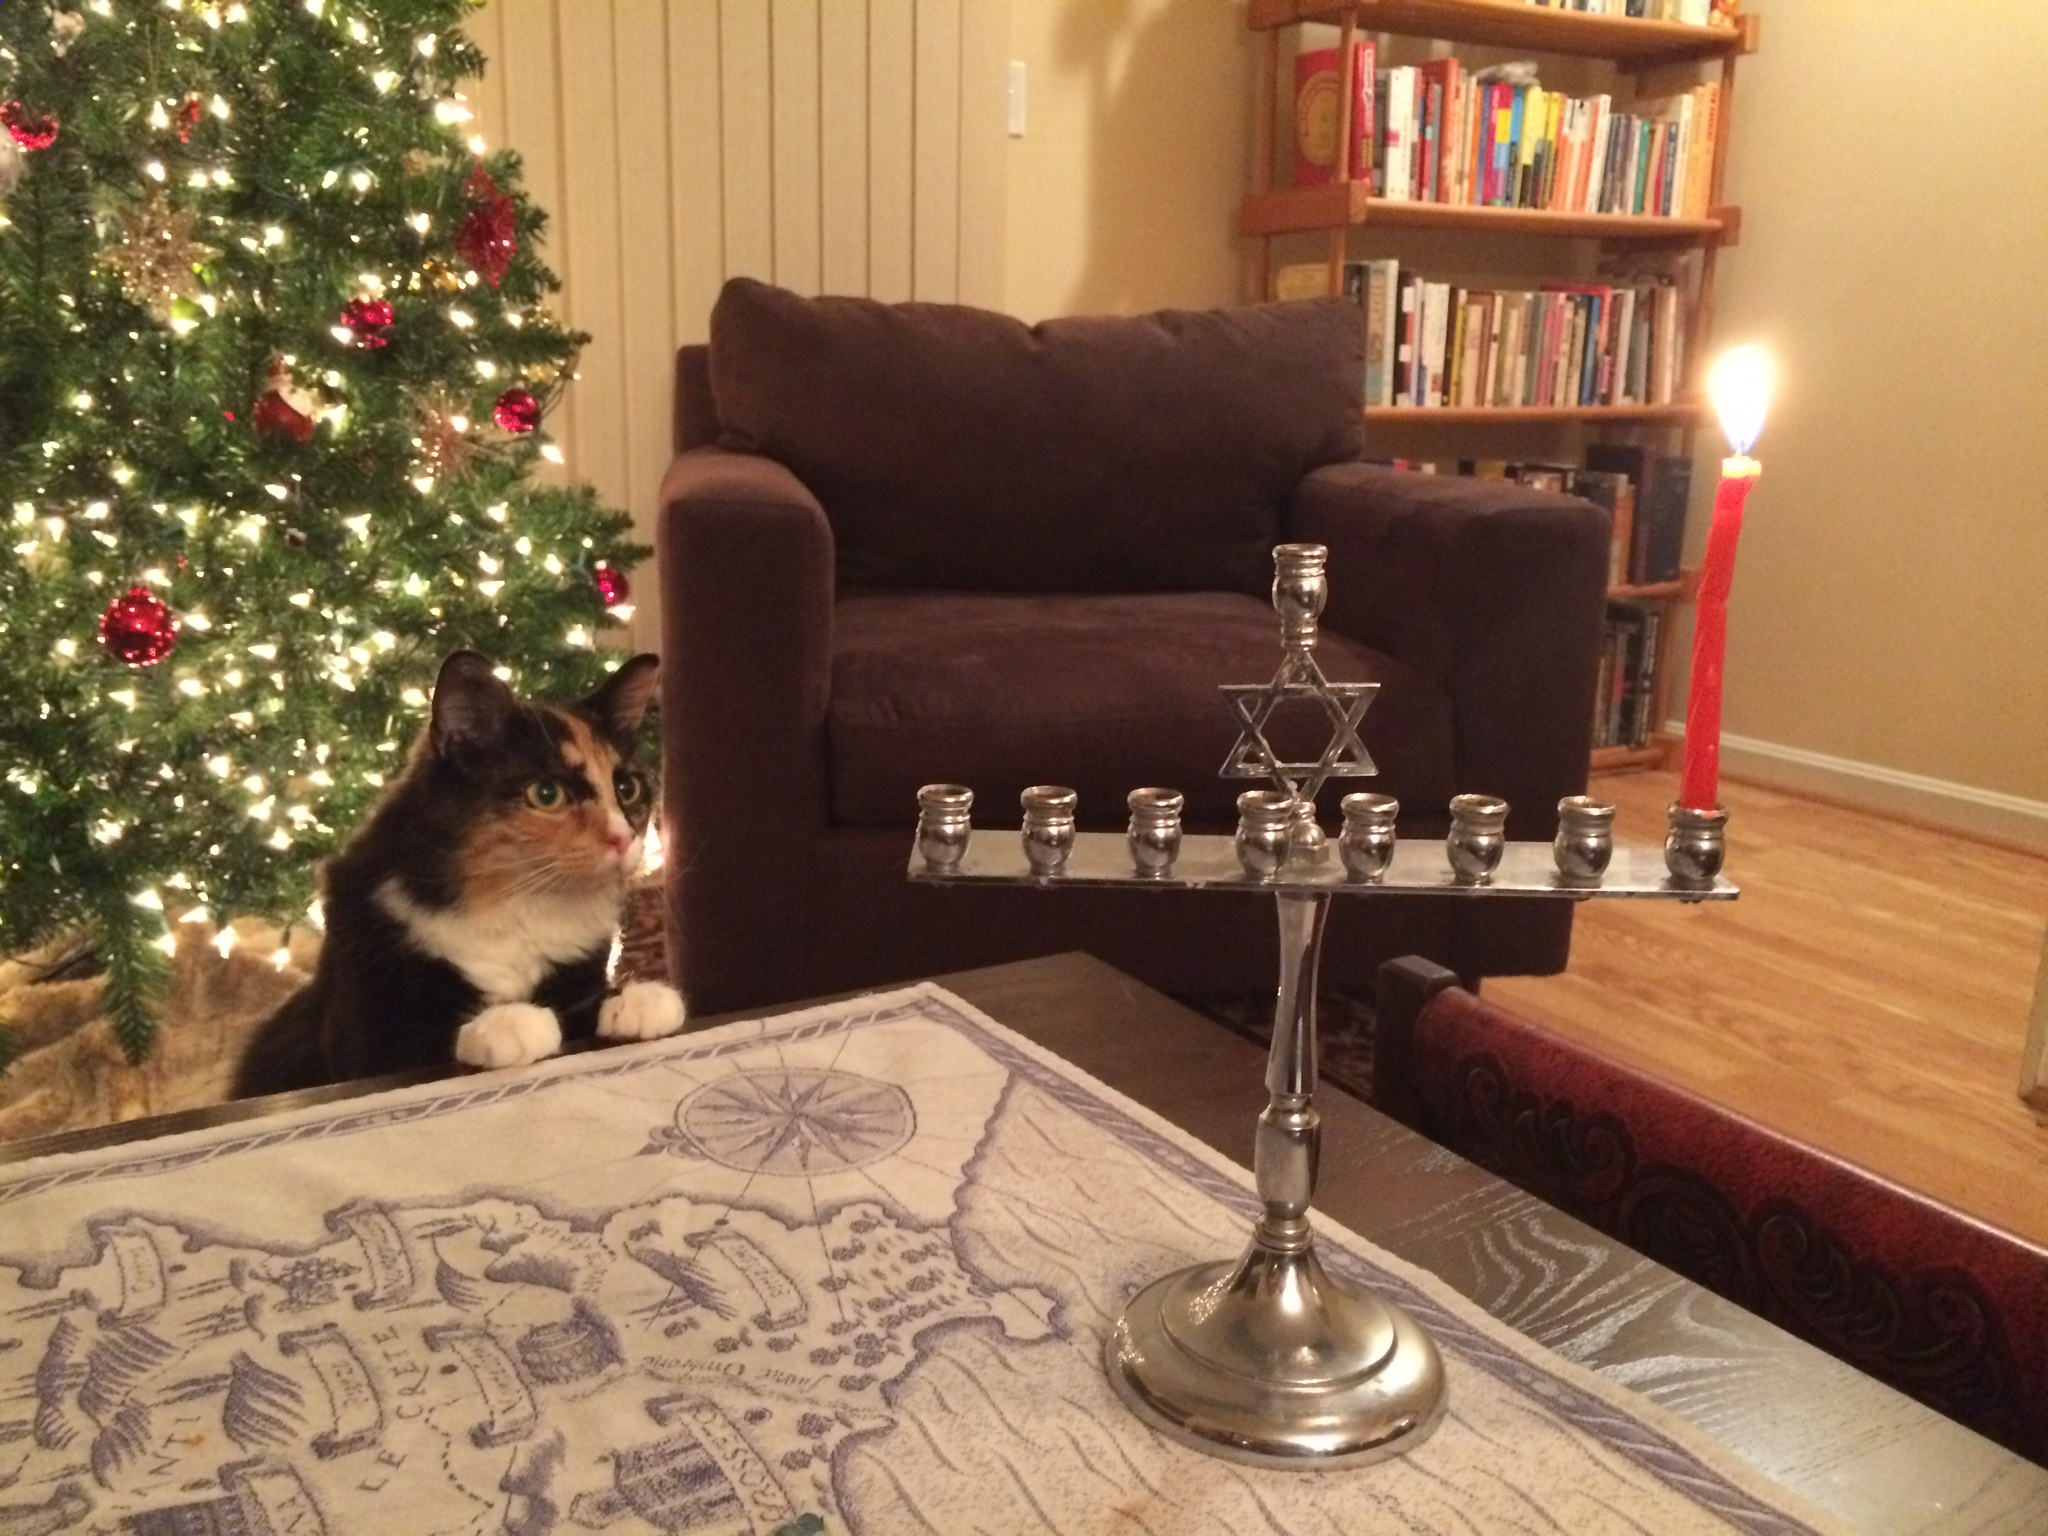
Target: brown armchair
(913, 543)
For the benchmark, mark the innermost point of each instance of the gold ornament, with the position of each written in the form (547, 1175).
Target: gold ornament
(155, 254)
(442, 437)
(435, 273)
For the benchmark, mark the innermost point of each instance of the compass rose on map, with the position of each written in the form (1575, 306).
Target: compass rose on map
(794, 1122)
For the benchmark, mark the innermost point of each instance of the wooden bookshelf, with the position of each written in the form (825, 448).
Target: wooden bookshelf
(1658, 55)
(1349, 204)
(1679, 414)
(1629, 41)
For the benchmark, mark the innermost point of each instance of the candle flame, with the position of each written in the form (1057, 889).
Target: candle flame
(1739, 384)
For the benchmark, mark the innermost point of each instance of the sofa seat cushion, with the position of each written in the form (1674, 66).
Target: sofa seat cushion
(1103, 694)
(959, 449)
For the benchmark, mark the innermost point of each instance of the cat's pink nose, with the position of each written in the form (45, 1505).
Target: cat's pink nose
(621, 840)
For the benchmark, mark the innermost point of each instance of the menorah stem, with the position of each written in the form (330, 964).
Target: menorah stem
(1289, 1138)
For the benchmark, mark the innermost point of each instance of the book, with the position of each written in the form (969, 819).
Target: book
(1400, 154)
(1319, 111)
(1615, 495)
(1663, 488)
(1302, 280)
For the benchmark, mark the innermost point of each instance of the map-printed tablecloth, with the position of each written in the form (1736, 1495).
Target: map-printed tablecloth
(839, 1271)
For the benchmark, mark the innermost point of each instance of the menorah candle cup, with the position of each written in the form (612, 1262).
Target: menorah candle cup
(1585, 839)
(1367, 842)
(1154, 834)
(1477, 836)
(1265, 831)
(1696, 845)
(943, 824)
(1048, 827)
(1300, 589)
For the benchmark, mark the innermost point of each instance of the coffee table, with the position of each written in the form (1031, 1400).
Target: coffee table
(1874, 1458)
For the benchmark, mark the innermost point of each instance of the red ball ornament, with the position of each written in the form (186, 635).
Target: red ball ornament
(369, 319)
(612, 585)
(188, 119)
(30, 130)
(488, 237)
(516, 411)
(139, 627)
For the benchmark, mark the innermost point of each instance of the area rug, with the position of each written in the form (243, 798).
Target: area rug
(845, 1270)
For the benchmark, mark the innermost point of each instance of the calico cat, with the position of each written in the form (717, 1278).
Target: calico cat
(471, 917)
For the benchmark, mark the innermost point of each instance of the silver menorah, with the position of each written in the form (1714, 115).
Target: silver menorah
(1270, 1359)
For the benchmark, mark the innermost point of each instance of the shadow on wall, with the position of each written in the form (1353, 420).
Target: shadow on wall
(1168, 104)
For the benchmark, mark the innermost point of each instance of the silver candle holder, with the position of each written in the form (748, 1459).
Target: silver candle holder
(1269, 1359)
(1048, 836)
(1477, 836)
(944, 821)
(1585, 839)
(1367, 842)
(1154, 832)
(1696, 845)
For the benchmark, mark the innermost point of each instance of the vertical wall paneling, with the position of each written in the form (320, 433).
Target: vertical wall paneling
(748, 128)
(892, 74)
(794, 88)
(935, 167)
(486, 97)
(533, 126)
(984, 46)
(590, 223)
(695, 166)
(843, 145)
(647, 295)
(840, 146)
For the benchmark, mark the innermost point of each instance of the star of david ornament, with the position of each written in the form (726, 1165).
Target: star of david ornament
(1299, 592)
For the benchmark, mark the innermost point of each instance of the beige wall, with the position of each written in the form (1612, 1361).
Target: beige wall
(1123, 191)
(1891, 600)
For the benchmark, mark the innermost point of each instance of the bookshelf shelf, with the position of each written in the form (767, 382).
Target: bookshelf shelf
(1651, 754)
(1514, 24)
(1683, 589)
(1682, 413)
(1654, 60)
(1342, 204)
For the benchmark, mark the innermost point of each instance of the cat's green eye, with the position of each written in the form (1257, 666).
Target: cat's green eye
(545, 795)
(627, 787)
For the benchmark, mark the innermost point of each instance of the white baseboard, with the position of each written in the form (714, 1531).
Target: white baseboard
(2010, 819)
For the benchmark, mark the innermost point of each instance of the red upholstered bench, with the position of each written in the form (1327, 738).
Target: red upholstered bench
(1941, 1306)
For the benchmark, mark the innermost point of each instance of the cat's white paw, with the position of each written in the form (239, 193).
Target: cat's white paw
(508, 1035)
(642, 1010)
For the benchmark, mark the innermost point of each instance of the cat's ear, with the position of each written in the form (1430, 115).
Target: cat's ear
(471, 703)
(622, 699)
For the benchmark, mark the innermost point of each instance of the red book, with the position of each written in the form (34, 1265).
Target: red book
(1318, 104)
(1440, 89)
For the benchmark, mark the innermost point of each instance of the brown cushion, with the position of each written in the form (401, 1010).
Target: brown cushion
(960, 449)
(1103, 694)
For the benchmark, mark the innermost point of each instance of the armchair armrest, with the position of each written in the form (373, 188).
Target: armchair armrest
(1494, 590)
(746, 570)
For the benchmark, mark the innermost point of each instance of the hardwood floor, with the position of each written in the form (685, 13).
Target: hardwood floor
(1869, 992)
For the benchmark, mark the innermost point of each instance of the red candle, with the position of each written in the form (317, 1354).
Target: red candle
(1699, 788)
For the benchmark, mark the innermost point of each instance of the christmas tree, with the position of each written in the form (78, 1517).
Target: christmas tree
(274, 362)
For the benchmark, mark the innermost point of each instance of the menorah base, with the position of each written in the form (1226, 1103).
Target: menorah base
(1273, 1362)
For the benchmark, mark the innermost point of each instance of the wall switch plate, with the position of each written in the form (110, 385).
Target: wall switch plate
(1014, 103)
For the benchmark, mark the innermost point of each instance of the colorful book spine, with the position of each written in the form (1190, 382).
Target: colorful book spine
(1319, 114)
